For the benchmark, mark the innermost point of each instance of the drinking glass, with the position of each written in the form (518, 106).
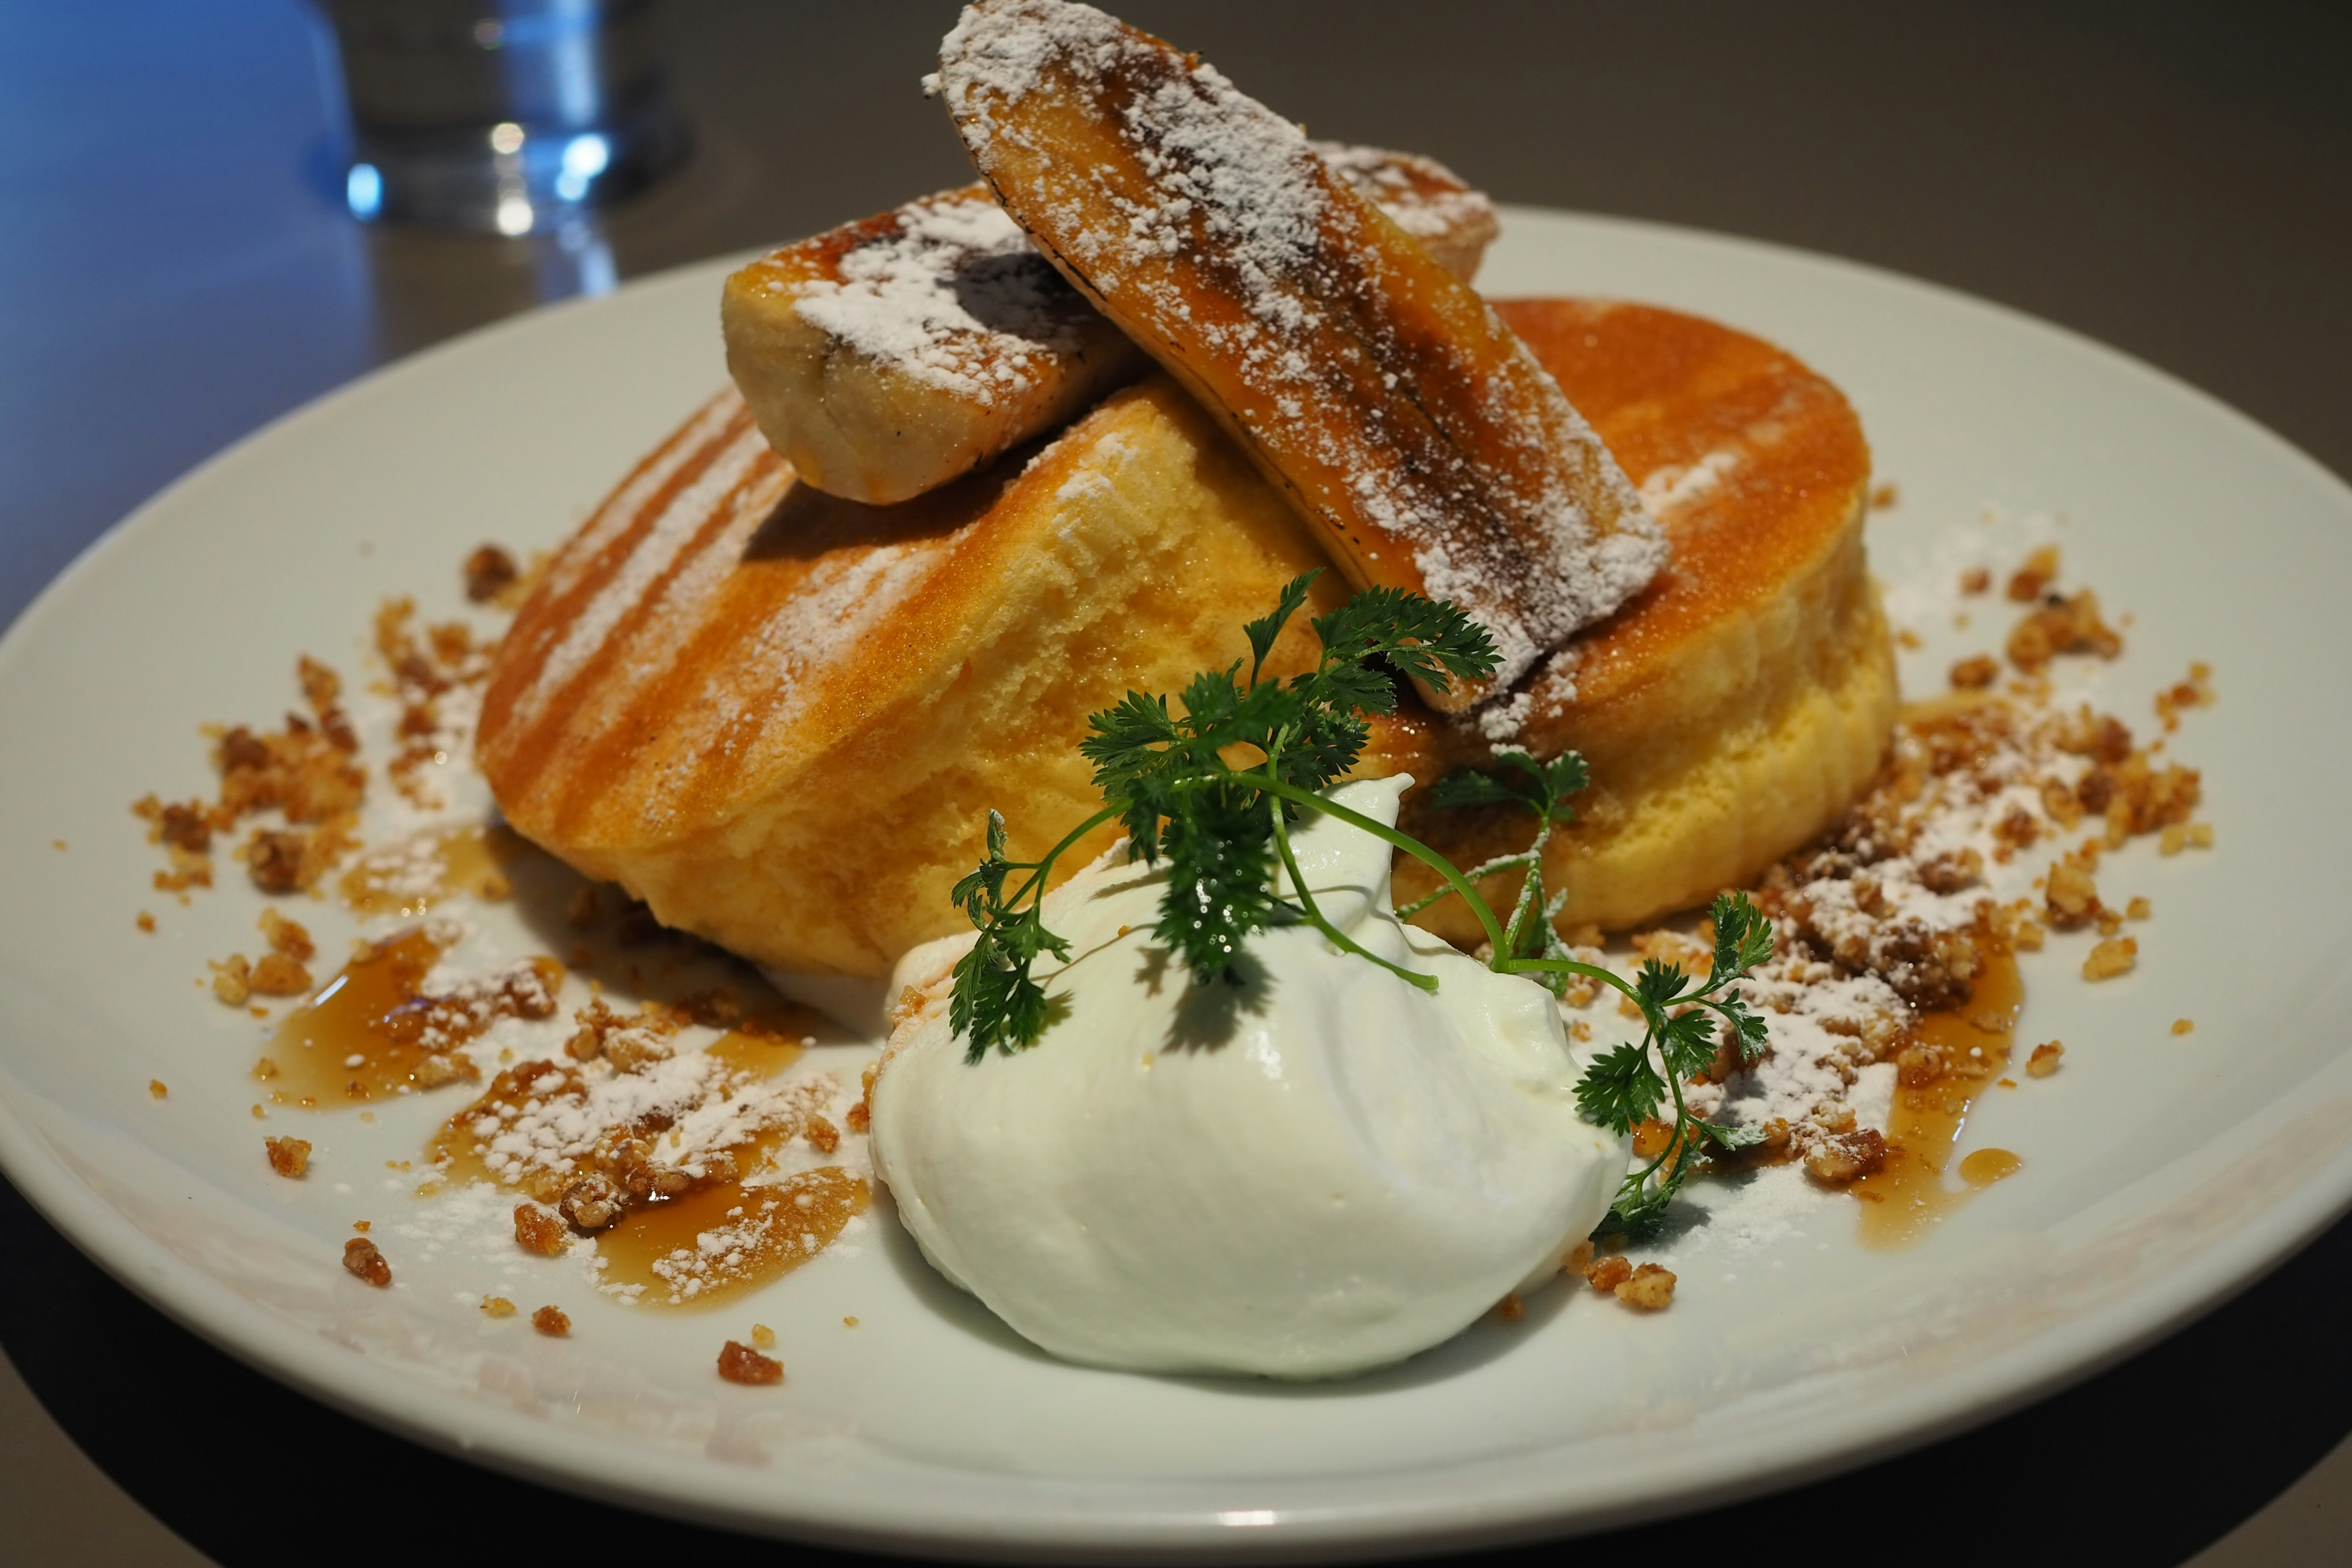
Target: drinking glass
(501, 116)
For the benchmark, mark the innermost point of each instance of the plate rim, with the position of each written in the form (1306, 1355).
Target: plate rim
(356, 1385)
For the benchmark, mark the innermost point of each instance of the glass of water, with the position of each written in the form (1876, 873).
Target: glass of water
(501, 116)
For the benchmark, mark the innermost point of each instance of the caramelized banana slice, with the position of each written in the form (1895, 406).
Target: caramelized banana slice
(1453, 220)
(888, 357)
(1374, 387)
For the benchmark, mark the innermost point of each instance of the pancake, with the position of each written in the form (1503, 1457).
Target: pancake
(781, 718)
(1730, 711)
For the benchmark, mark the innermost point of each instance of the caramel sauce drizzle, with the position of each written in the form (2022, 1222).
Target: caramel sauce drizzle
(771, 1227)
(371, 1031)
(1906, 1197)
(474, 859)
(779, 1227)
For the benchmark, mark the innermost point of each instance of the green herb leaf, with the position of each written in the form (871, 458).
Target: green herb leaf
(1471, 788)
(1687, 1040)
(1743, 937)
(1220, 849)
(1422, 639)
(1262, 633)
(1621, 1089)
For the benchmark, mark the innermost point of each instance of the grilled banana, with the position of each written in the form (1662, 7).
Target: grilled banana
(884, 358)
(1375, 389)
(888, 357)
(1454, 221)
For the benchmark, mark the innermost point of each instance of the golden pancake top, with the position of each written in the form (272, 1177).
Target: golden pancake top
(1753, 464)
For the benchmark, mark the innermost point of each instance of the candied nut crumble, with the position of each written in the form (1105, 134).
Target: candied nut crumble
(553, 1321)
(739, 1363)
(764, 1336)
(155, 1089)
(287, 937)
(498, 1307)
(2032, 580)
(289, 1157)
(2063, 625)
(823, 1135)
(1649, 1288)
(1843, 1158)
(362, 1257)
(233, 979)
(1605, 1274)
(2115, 956)
(2044, 1059)
(275, 974)
(1975, 674)
(489, 572)
(540, 1231)
(2183, 1025)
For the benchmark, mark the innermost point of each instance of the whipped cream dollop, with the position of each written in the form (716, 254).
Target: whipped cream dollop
(1320, 1169)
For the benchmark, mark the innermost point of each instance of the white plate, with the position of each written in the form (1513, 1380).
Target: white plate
(2162, 1171)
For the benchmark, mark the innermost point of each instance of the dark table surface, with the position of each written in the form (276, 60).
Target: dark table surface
(175, 269)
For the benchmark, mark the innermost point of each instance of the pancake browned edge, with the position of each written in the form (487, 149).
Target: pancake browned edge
(1733, 710)
(781, 718)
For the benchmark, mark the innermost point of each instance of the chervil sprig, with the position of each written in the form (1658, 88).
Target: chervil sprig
(1212, 785)
(1164, 775)
(1624, 1089)
(1542, 788)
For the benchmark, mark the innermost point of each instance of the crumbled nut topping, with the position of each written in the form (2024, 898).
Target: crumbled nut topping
(287, 937)
(289, 1157)
(2031, 581)
(233, 979)
(1605, 1274)
(362, 1257)
(489, 572)
(1649, 1288)
(553, 1321)
(275, 974)
(540, 1231)
(739, 1363)
(2115, 956)
(2063, 625)
(1975, 674)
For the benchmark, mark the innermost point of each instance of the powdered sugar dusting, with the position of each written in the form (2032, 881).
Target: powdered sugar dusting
(1420, 195)
(1669, 489)
(1239, 238)
(953, 296)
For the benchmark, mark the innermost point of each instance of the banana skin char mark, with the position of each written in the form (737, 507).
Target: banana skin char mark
(1376, 390)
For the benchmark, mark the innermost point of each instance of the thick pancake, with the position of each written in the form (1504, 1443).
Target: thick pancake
(781, 718)
(1735, 707)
